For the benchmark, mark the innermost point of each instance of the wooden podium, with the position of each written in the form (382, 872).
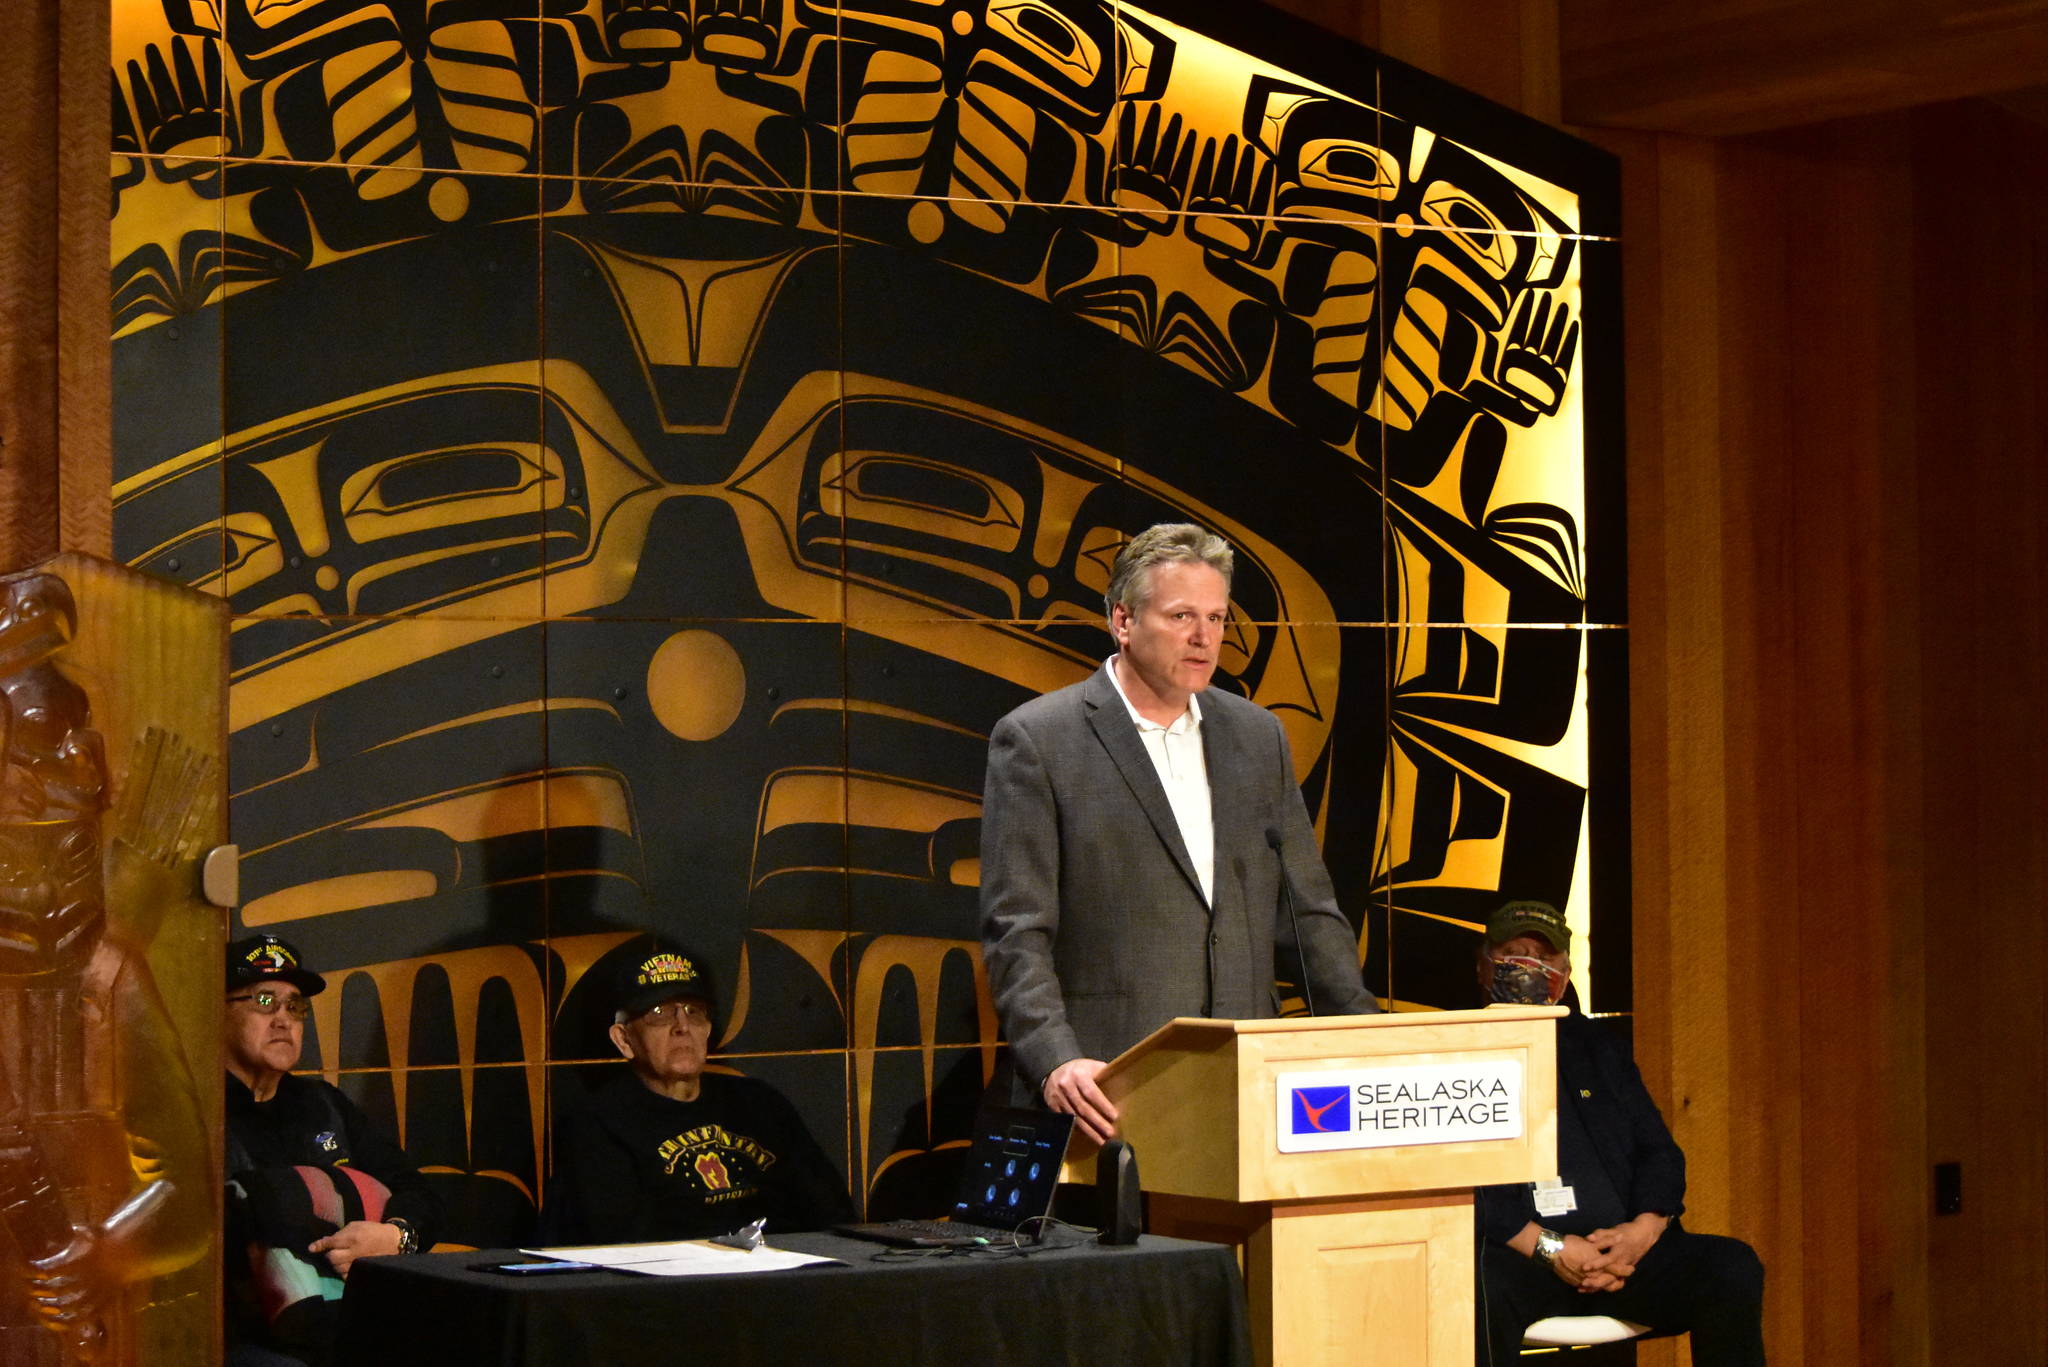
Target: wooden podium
(1350, 1254)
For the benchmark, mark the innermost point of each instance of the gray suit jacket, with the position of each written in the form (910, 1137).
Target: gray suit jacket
(1093, 925)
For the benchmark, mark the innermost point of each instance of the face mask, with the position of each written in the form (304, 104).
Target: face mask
(1524, 982)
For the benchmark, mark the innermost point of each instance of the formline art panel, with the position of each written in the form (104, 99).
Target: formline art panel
(645, 448)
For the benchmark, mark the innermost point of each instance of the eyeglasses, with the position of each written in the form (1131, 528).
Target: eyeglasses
(267, 1003)
(693, 1011)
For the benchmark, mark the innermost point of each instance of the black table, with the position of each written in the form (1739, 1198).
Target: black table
(1160, 1301)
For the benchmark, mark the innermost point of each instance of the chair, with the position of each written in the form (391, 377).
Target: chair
(1580, 1331)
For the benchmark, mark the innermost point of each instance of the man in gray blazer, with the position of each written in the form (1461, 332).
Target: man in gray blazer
(1140, 830)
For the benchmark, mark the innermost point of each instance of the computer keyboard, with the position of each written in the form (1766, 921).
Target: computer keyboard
(928, 1233)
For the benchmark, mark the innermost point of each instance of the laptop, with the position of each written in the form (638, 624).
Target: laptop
(1012, 1169)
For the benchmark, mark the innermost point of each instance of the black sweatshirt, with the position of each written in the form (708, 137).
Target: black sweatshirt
(632, 1166)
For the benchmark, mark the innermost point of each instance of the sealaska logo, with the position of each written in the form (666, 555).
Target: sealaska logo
(1322, 1110)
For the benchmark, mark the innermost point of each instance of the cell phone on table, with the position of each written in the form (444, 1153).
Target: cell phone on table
(540, 1268)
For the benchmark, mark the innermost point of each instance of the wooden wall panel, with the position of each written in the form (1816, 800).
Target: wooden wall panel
(84, 370)
(28, 214)
(1981, 198)
(54, 435)
(1836, 610)
(1769, 480)
(1682, 809)
(1505, 50)
(1745, 66)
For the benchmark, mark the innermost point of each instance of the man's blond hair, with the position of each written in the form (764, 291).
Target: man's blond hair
(1165, 543)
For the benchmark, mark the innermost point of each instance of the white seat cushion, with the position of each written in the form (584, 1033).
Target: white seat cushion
(1565, 1331)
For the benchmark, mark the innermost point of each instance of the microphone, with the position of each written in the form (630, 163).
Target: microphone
(1276, 844)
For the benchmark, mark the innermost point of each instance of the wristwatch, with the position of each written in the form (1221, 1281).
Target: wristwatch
(408, 1237)
(1549, 1243)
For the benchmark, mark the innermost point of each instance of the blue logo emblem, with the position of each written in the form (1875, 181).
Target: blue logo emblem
(1322, 1110)
(325, 1139)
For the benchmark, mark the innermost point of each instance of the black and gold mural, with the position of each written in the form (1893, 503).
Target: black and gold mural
(646, 444)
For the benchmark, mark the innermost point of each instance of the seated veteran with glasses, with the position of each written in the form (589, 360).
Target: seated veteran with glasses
(667, 1150)
(311, 1185)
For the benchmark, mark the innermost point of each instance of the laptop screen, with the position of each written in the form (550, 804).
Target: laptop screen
(1013, 1165)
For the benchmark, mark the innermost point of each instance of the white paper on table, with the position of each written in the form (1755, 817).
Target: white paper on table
(690, 1258)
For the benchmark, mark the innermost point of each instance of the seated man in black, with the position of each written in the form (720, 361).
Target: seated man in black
(1604, 1239)
(311, 1185)
(669, 1151)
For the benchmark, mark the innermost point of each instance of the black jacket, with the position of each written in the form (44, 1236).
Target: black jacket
(307, 1123)
(1625, 1134)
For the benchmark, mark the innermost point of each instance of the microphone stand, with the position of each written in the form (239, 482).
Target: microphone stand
(1274, 842)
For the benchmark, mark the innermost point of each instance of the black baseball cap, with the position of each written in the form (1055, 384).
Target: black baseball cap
(651, 970)
(1529, 918)
(265, 958)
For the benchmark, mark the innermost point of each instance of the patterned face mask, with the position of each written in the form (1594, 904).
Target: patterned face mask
(1524, 982)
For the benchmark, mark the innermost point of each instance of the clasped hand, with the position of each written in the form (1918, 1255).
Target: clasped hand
(1605, 1259)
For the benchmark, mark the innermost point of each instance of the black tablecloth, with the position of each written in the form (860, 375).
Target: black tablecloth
(1161, 1301)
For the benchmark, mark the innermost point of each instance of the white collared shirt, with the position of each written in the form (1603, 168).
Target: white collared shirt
(1176, 753)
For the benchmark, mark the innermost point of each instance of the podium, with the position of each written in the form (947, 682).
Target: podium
(1339, 1153)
